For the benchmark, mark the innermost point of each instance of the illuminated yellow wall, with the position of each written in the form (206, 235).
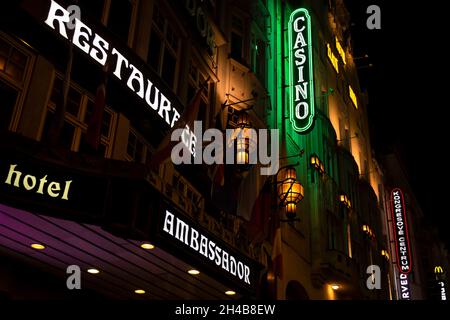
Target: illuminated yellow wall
(356, 149)
(375, 179)
(330, 293)
(333, 113)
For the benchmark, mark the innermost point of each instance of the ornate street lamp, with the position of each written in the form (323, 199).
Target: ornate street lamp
(245, 143)
(345, 200)
(290, 191)
(367, 230)
(315, 161)
(317, 164)
(243, 120)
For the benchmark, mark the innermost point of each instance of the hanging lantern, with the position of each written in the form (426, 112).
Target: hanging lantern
(317, 164)
(367, 230)
(345, 201)
(243, 120)
(290, 191)
(321, 168)
(245, 141)
(242, 149)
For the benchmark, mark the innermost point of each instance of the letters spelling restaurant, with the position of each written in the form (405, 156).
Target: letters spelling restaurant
(98, 205)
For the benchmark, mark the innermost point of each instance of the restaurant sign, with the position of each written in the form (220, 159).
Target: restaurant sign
(102, 52)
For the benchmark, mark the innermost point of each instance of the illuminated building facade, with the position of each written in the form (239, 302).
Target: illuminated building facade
(429, 256)
(188, 231)
(340, 231)
(142, 226)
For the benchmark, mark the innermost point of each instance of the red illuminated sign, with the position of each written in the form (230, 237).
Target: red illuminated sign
(401, 231)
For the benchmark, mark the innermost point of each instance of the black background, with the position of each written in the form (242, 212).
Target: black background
(407, 92)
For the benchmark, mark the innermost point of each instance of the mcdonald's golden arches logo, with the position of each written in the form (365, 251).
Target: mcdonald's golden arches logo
(438, 269)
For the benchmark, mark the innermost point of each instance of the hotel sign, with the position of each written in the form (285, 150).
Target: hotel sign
(42, 186)
(177, 233)
(29, 182)
(301, 71)
(201, 244)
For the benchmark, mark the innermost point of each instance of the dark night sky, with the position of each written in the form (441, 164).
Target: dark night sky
(407, 93)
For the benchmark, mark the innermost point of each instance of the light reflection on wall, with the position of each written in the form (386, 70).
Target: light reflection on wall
(331, 294)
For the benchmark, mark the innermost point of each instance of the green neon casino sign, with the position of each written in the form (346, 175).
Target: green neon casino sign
(301, 71)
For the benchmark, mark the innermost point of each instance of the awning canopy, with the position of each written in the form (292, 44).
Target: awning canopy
(124, 266)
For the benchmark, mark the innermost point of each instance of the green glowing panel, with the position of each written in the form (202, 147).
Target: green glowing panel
(301, 85)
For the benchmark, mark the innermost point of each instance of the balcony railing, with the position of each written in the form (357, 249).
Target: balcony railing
(334, 266)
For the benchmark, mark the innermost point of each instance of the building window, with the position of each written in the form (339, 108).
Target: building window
(381, 195)
(331, 233)
(7, 104)
(197, 79)
(237, 38)
(349, 241)
(119, 18)
(79, 108)
(258, 58)
(185, 195)
(14, 64)
(335, 233)
(344, 135)
(12, 61)
(322, 48)
(118, 15)
(137, 147)
(163, 52)
(91, 8)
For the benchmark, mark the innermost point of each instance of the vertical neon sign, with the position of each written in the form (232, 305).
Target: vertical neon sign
(402, 244)
(439, 272)
(301, 71)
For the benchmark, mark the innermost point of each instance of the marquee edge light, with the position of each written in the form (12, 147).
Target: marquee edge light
(310, 74)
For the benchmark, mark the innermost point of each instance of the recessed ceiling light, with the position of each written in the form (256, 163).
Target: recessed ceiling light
(230, 293)
(335, 287)
(139, 291)
(93, 271)
(193, 272)
(147, 246)
(37, 246)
